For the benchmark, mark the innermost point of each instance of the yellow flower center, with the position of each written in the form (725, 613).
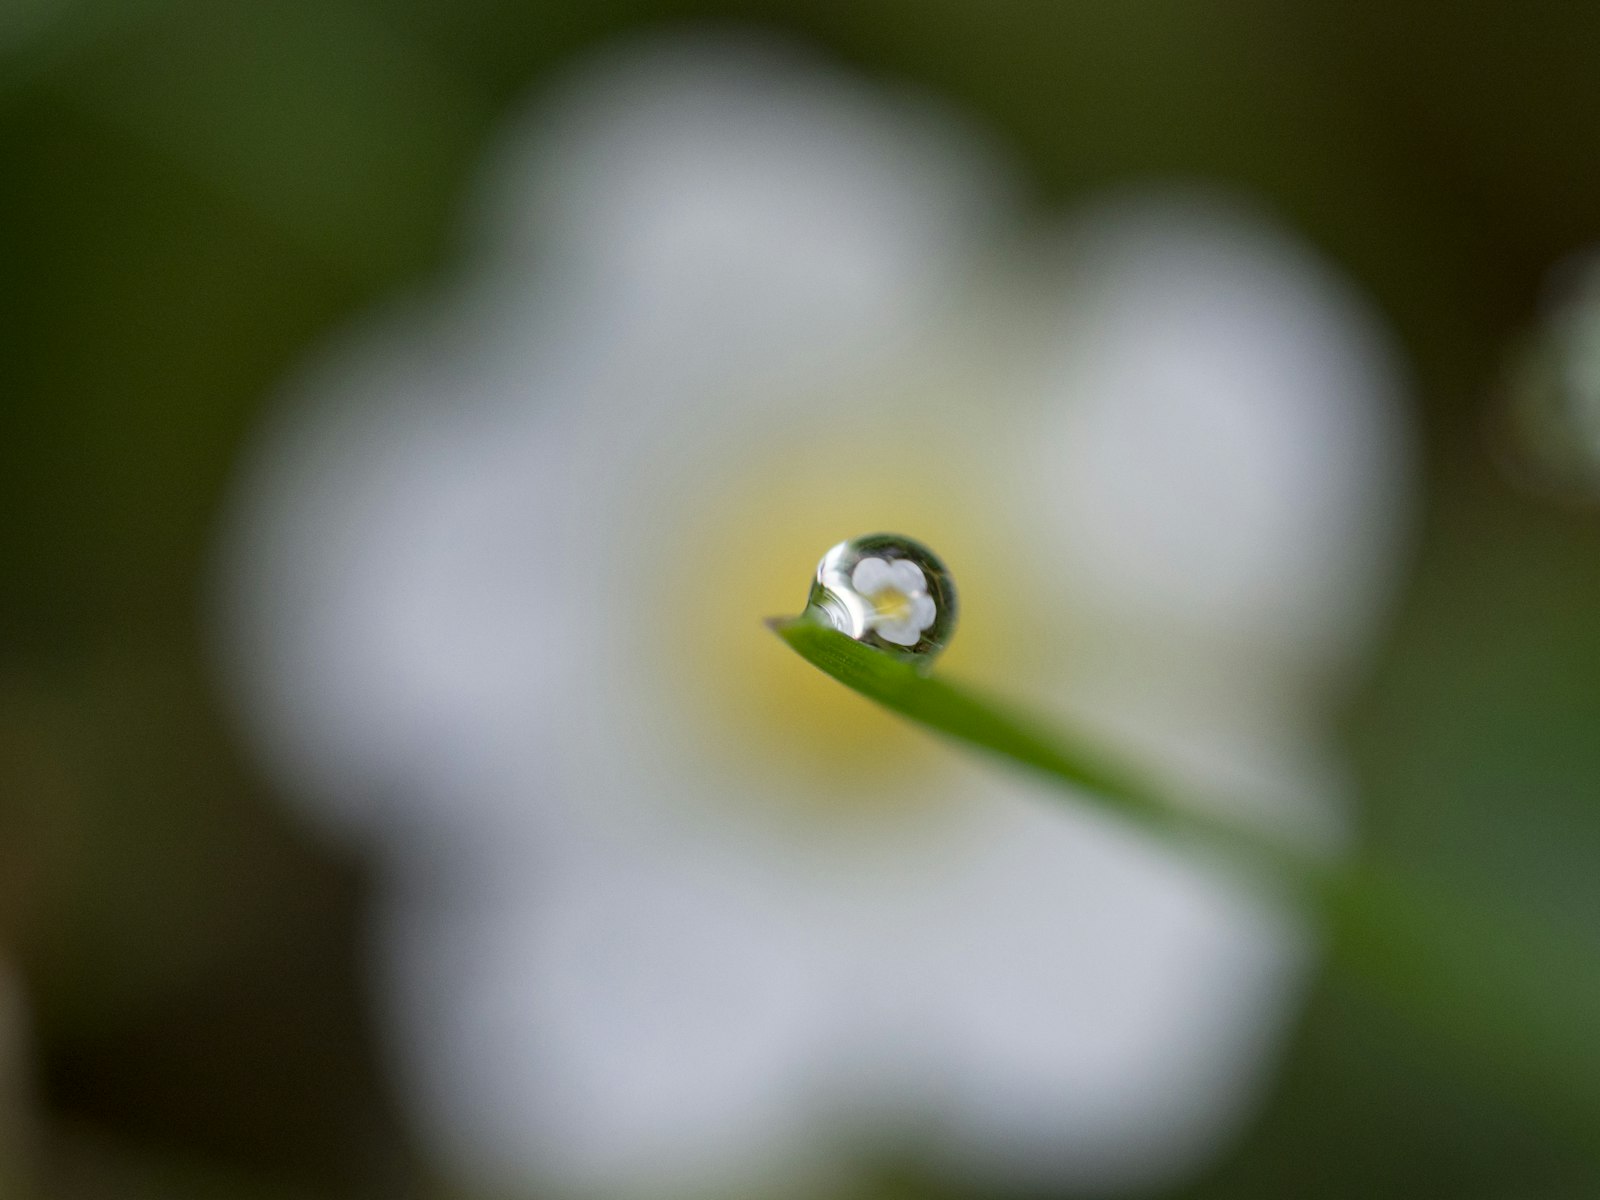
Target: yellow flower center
(747, 550)
(891, 604)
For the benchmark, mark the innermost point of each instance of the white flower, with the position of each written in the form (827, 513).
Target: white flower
(669, 912)
(898, 594)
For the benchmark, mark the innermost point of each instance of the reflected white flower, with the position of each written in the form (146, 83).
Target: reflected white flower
(898, 594)
(670, 912)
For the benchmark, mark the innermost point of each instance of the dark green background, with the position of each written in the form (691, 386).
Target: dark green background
(192, 193)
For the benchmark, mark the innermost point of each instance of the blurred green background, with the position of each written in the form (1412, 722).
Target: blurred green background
(191, 194)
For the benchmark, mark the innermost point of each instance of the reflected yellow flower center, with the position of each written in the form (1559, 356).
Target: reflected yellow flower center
(891, 604)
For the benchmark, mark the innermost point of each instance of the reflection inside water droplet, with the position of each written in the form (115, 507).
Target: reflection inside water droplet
(888, 591)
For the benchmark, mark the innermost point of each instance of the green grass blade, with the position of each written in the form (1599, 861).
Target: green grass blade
(1517, 1003)
(1095, 776)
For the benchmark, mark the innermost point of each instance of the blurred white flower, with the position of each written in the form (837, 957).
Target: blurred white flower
(668, 912)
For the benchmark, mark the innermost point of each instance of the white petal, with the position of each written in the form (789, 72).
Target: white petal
(640, 1026)
(375, 591)
(733, 184)
(1094, 1012)
(923, 610)
(901, 633)
(871, 576)
(907, 576)
(1220, 444)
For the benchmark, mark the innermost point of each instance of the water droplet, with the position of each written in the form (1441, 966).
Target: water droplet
(887, 591)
